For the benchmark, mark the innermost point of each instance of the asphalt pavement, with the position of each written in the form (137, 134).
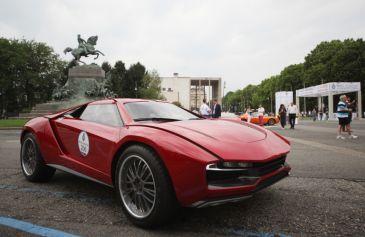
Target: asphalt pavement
(324, 196)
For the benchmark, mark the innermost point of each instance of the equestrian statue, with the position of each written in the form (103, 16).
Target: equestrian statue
(85, 49)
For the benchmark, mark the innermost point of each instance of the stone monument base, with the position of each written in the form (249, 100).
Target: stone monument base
(84, 79)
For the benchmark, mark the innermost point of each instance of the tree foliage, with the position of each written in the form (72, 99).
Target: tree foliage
(134, 82)
(29, 71)
(151, 86)
(334, 61)
(117, 78)
(106, 67)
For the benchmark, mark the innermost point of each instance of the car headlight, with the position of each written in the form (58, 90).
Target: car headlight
(230, 174)
(231, 164)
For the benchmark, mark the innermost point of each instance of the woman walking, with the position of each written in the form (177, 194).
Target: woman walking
(282, 114)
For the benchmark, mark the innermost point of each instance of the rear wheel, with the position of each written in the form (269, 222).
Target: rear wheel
(31, 161)
(271, 121)
(144, 187)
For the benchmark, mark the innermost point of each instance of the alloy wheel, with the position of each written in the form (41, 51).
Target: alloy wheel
(137, 186)
(29, 156)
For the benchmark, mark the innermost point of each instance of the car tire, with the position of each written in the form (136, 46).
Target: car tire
(271, 122)
(31, 161)
(144, 187)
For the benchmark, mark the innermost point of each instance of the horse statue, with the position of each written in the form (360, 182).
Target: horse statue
(85, 48)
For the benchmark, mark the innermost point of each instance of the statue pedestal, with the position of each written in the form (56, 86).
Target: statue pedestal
(85, 78)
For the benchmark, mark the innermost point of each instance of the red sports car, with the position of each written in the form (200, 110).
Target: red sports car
(156, 155)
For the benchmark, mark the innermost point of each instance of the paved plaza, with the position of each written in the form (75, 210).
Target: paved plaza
(324, 196)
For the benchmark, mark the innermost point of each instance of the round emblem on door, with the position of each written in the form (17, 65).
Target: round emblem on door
(83, 143)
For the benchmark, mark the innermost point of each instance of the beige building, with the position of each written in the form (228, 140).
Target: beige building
(190, 91)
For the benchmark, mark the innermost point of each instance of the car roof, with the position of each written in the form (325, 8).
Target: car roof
(129, 100)
(119, 100)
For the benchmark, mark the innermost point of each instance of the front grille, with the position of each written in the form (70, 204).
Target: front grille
(268, 167)
(230, 177)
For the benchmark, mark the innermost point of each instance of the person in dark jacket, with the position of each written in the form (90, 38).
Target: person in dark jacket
(282, 114)
(216, 110)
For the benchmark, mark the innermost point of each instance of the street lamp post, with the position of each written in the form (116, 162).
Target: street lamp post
(271, 102)
(1, 111)
(321, 97)
(305, 106)
(224, 87)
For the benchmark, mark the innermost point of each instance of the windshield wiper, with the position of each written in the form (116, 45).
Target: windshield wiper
(156, 119)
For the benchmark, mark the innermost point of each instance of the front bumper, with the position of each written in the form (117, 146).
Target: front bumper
(242, 187)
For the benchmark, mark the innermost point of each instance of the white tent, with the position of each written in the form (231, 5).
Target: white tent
(283, 97)
(330, 89)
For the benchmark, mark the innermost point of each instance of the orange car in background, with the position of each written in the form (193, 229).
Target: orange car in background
(268, 120)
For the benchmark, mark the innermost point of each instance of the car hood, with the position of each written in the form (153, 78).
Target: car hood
(227, 139)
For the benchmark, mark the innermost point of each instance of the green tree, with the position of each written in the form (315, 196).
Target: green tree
(117, 77)
(151, 86)
(29, 71)
(132, 85)
(334, 61)
(292, 77)
(106, 67)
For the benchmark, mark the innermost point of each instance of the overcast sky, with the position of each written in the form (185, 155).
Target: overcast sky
(241, 41)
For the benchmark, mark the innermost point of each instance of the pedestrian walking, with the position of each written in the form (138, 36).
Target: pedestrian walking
(343, 118)
(216, 111)
(282, 114)
(350, 106)
(320, 112)
(205, 110)
(261, 112)
(248, 112)
(292, 111)
(314, 114)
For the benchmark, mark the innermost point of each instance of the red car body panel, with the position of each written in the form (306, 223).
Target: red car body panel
(225, 139)
(185, 147)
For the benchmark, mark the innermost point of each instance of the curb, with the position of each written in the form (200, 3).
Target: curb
(11, 128)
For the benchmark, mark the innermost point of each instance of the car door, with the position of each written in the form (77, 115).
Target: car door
(89, 139)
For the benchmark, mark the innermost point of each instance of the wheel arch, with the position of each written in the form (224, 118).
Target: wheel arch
(127, 144)
(171, 150)
(271, 121)
(117, 155)
(24, 132)
(34, 126)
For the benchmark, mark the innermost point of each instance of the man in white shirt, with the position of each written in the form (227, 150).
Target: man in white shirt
(292, 111)
(204, 109)
(261, 112)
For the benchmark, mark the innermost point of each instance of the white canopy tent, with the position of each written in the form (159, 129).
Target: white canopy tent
(283, 97)
(330, 89)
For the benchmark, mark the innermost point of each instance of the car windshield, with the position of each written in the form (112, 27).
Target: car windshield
(153, 110)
